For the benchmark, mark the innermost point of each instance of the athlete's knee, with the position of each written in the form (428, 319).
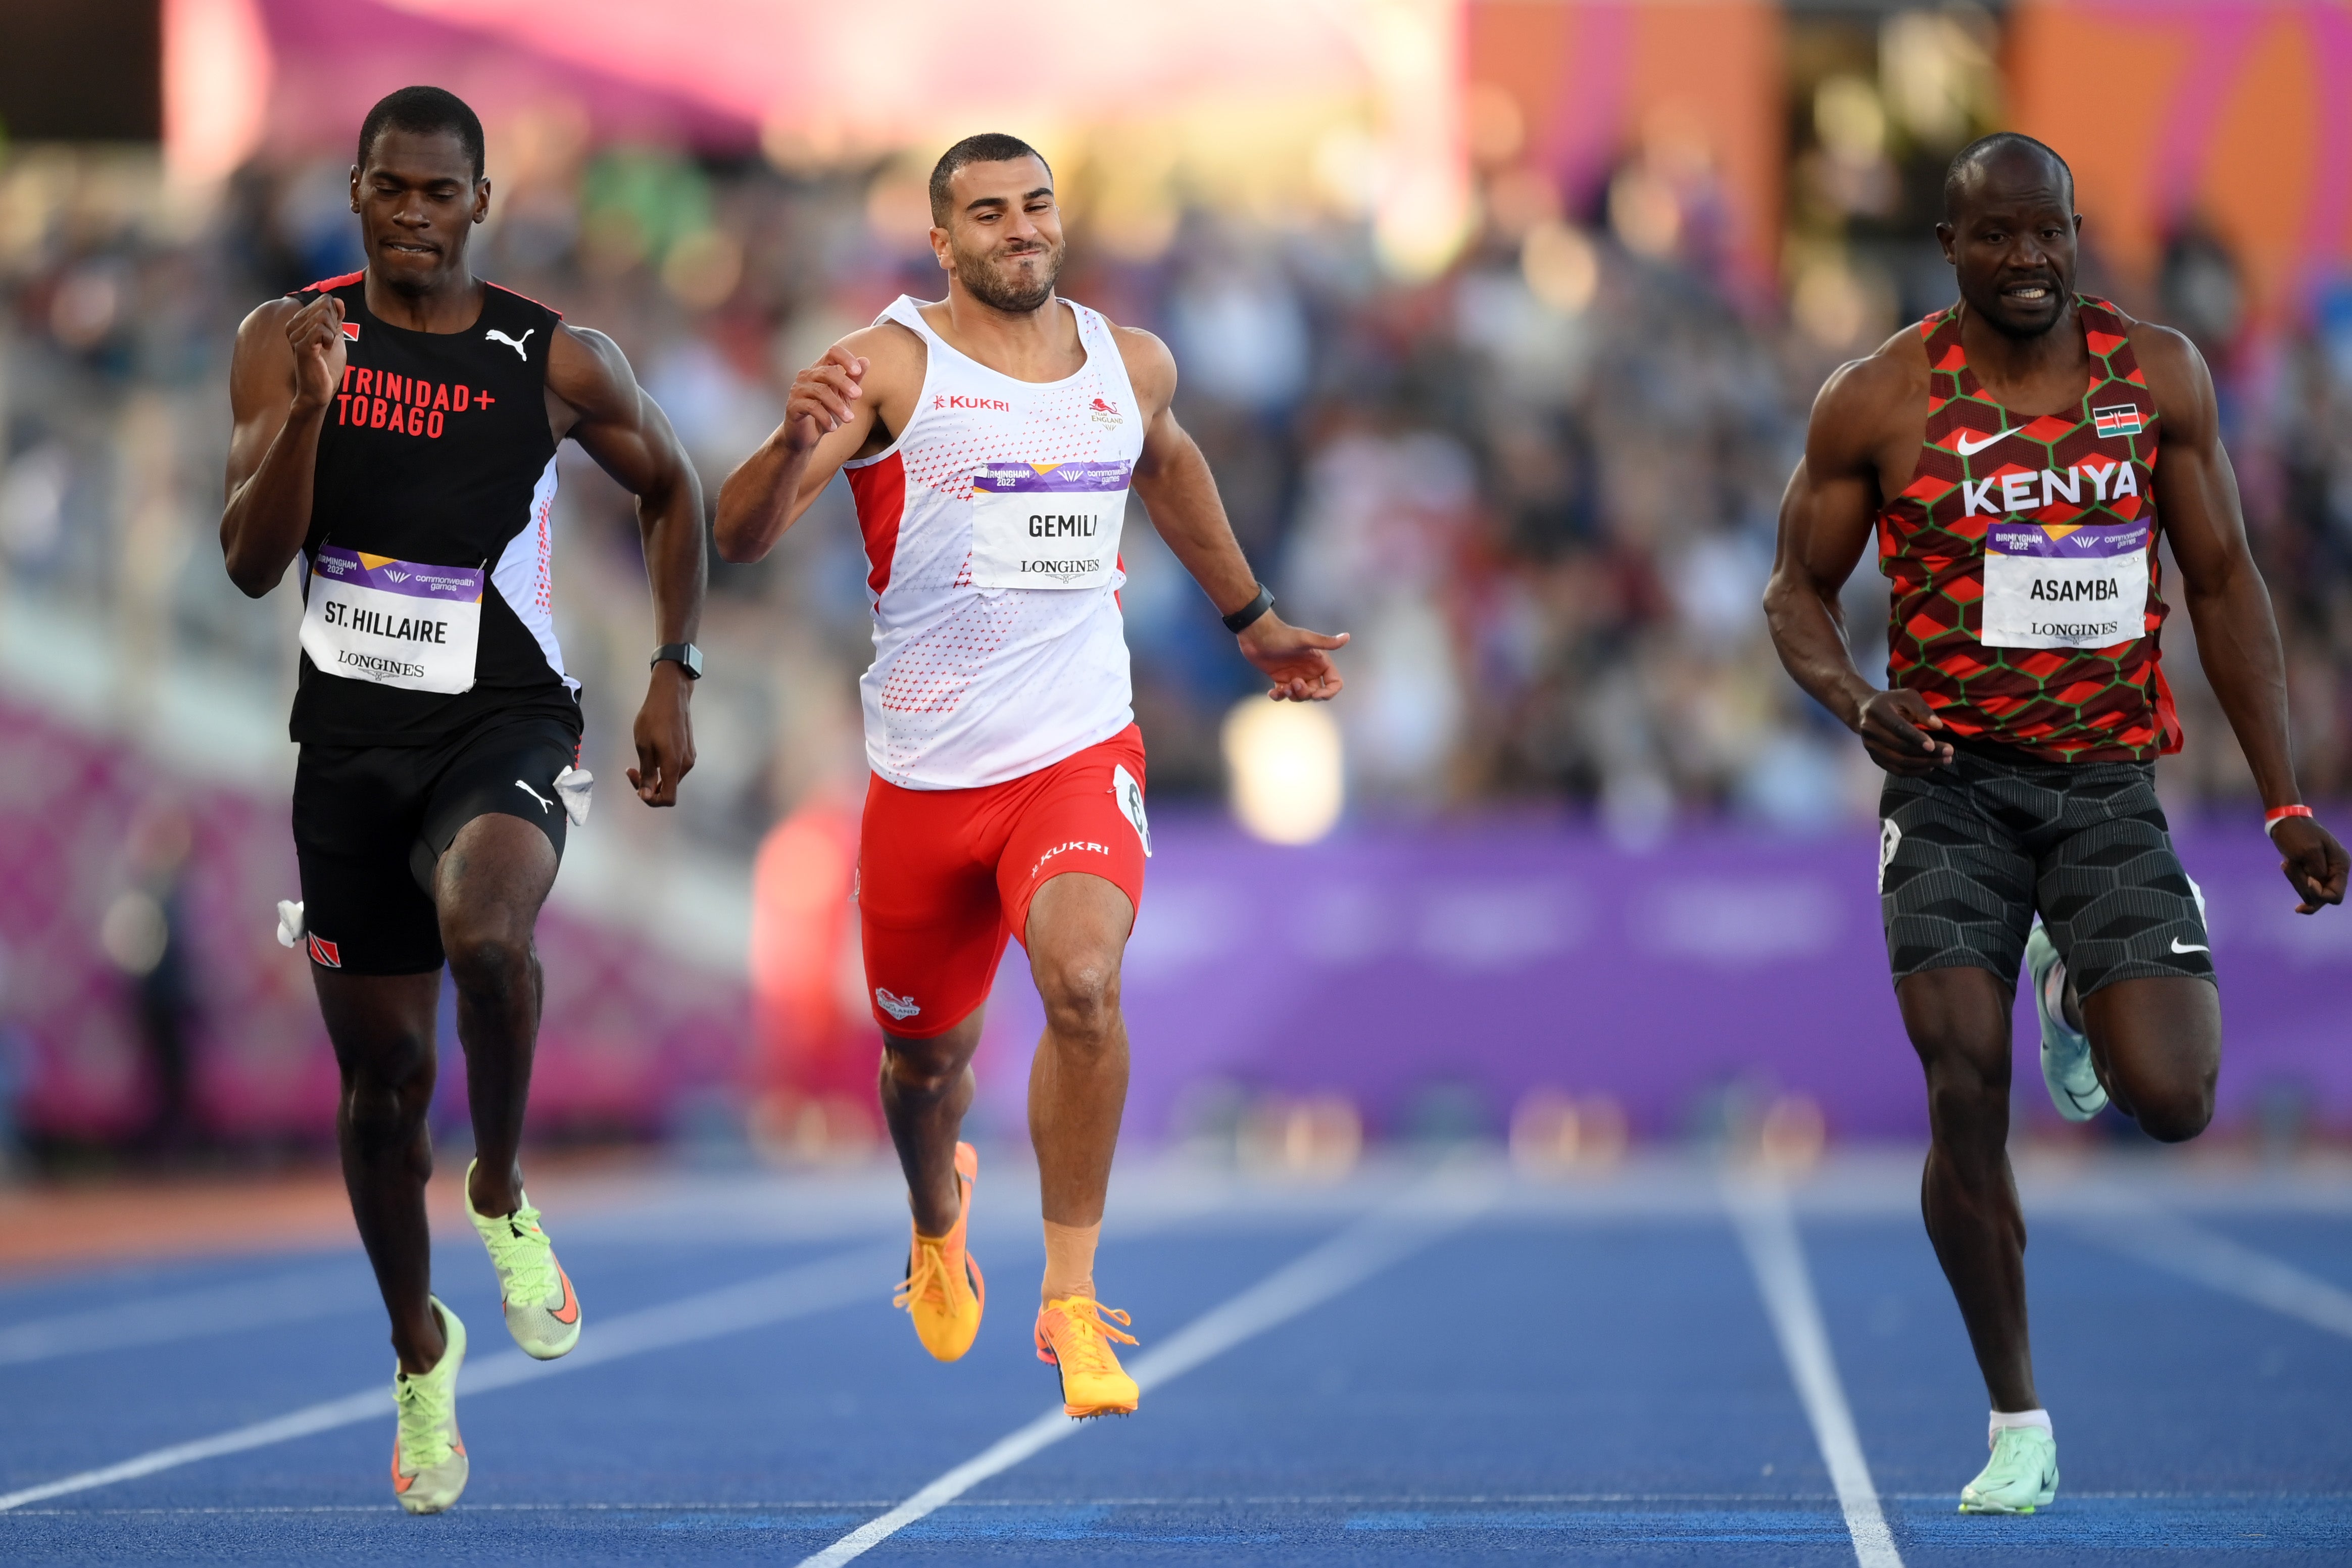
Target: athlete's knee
(1081, 998)
(488, 963)
(926, 1070)
(387, 1093)
(1968, 1078)
(2174, 1113)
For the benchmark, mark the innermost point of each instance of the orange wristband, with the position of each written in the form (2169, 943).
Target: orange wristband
(2271, 819)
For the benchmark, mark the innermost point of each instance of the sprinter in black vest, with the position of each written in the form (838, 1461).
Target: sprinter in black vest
(396, 433)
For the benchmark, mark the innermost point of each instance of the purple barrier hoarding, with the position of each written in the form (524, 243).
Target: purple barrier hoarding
(1507, 956)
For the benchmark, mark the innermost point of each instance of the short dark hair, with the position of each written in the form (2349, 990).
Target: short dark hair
(987, 147)
(423, 111)
(1983, 150)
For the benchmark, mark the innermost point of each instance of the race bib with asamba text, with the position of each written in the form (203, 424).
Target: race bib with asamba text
(2087, 588)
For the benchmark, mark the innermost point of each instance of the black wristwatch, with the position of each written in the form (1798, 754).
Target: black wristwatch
(688, 658)
(1241, 619)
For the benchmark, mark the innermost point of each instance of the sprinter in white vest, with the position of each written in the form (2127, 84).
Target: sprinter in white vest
(991, 441)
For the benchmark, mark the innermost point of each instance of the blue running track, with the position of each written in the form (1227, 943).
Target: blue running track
(1407, 1368)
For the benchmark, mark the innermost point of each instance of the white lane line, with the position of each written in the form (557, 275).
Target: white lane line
(1447, 1201)
(756, 1303)
(192, 1314)
(1768, 1231)
(2181, 1246)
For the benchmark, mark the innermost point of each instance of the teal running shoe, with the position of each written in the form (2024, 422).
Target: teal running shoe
(428, 1458)
(2066, 1069)
(2021, 1475)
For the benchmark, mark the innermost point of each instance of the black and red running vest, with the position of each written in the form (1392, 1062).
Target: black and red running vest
(436, 451)
(2022, 555)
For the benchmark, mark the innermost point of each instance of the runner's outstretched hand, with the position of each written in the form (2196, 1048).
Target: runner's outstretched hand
(664, 736)
(1297, 660)
(2314, 864)
(819, 401)
(1893, 728)
(316, 336)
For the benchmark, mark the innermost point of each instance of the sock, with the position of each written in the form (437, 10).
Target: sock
(2004, 1418)
(1070, 1259)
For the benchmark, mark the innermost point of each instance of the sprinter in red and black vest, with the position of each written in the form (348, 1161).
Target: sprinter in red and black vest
(395, 437)
(2005, 453)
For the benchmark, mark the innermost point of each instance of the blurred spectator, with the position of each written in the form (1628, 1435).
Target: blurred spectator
(144, 931)
(1539, 488)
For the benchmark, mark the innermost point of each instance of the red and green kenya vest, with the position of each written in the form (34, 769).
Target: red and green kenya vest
(2023, 559)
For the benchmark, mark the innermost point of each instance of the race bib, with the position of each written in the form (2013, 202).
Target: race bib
(1047, 525)
(1129, 795)
(393, 621)
(2087, 589)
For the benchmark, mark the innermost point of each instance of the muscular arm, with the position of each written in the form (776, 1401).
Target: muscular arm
(1180, 495)
(2237, 635)
(596, 400)
(1825, 521)
(836, 411)
(288, 363)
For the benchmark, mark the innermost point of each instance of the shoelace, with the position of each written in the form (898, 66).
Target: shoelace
(524, 1257)
(1088, 1349)
(423, 1413)
(927, 1277)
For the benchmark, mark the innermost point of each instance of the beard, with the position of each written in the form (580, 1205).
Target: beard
(1000, 288)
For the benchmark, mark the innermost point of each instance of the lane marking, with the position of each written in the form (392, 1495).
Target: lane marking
(2184, 1248)
(1776, 1255)
(776, 1298)
(1443, 1203)
(192, 1314)
(1188, 1500)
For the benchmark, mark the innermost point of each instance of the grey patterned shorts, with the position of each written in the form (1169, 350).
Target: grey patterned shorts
(1969, 854)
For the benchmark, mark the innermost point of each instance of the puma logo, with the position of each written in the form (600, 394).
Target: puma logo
(545, 804)
(494, 336)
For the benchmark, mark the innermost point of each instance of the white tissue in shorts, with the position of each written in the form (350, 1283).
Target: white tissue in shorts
(290, 922)
(571, 787)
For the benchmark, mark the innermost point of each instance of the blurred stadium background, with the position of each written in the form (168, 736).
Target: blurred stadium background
(1498, 319)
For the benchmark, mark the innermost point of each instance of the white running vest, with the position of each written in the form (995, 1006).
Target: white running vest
(974, 680)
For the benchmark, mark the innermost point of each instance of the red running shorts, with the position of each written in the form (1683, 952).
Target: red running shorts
(945, 876)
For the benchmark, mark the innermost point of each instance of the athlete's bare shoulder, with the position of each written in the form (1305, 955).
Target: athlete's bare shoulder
(270, 315)
(587, 371)
(1151, 368)
(2178, 376)
(1868, 402)
(261, 364)
(893, 352)
(262, 333)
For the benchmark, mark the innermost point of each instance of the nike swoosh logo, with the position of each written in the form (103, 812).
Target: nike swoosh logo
(568, 1314)
(2180, 946)
(1967, 448)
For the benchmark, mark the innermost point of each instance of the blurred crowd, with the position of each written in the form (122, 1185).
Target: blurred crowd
(1539, 488)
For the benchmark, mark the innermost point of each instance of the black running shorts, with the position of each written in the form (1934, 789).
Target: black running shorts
(1969, 854)
(371, 821)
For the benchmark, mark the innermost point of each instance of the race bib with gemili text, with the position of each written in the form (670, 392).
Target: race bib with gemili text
(1047, 525)
(2088, 589)
(394, 623)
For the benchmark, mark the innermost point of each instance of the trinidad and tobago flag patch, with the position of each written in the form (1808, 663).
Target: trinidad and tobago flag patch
(323, 951)
(352, 331)
(2123, 419)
